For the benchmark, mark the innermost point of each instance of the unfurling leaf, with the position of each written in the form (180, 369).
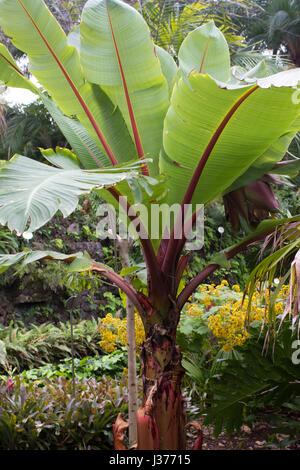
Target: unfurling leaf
(119, 431)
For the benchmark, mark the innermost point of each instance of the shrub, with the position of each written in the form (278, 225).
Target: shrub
(250, 381)
(238, 361)
(47, 343)
(112, 365)
(50, 418)
(227, 314)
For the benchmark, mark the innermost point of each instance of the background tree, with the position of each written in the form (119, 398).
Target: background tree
(26, 129)
(274, 25)
(170, 21)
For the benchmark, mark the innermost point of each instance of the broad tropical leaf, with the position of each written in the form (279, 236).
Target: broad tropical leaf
(54, 62)
(84, 143)
(205, 50)
(28, 256)
(81, 142)
(267, 161)
(32, 192)
(61, 158)
(111, 122)
(35, 31)
(117, 53)
(222, 131)
(168, 66)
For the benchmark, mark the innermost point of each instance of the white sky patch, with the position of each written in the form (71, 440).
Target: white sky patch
(13, 96)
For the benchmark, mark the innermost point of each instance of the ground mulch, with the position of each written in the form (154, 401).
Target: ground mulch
(261, 436)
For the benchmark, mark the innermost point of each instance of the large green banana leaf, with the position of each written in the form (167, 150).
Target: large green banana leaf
(56, 65)
(189, 133)
(266, 162)
(110, 120)
(205, 50)
(230, 128)
(104, 112)
(117, 53)
(32, 192)
(81, 142)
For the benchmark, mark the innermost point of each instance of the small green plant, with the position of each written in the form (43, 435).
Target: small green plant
(59, 243)
(113, 303)
(8, 241)
(112, 365)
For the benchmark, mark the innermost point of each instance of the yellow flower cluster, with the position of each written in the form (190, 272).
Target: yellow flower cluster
(114, 332)
(229, 326)
(229, 322)
(194, 310)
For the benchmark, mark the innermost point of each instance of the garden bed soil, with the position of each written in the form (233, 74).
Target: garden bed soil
(262, 436)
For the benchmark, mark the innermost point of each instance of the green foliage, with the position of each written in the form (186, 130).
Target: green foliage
(252, 379)
(49, 275)
(192, 334)
(8, 241)
(47, 343)
(203, 120)
(65, 185)
(111, 365)
(113, 303)
(50, 418)
(236, 386)
(28, 128)
(170, 21)
(288, 200)
(275, 25)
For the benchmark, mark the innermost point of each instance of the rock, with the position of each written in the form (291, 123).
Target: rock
(260, 443)
(94, 249)
(32, 298)
(74, 228)
(246, 429)
(282, 436)
(38, 246)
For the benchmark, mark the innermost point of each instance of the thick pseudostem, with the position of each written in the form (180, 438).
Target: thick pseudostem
(162, 418)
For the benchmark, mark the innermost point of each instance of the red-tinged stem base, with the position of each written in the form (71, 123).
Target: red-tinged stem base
(162, 418)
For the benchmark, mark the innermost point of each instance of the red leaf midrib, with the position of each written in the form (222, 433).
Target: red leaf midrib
(73, 87)
(135, 131)
(173, 244)
(12, 65)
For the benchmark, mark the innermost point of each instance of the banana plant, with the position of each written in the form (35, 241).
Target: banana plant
(200, 129)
